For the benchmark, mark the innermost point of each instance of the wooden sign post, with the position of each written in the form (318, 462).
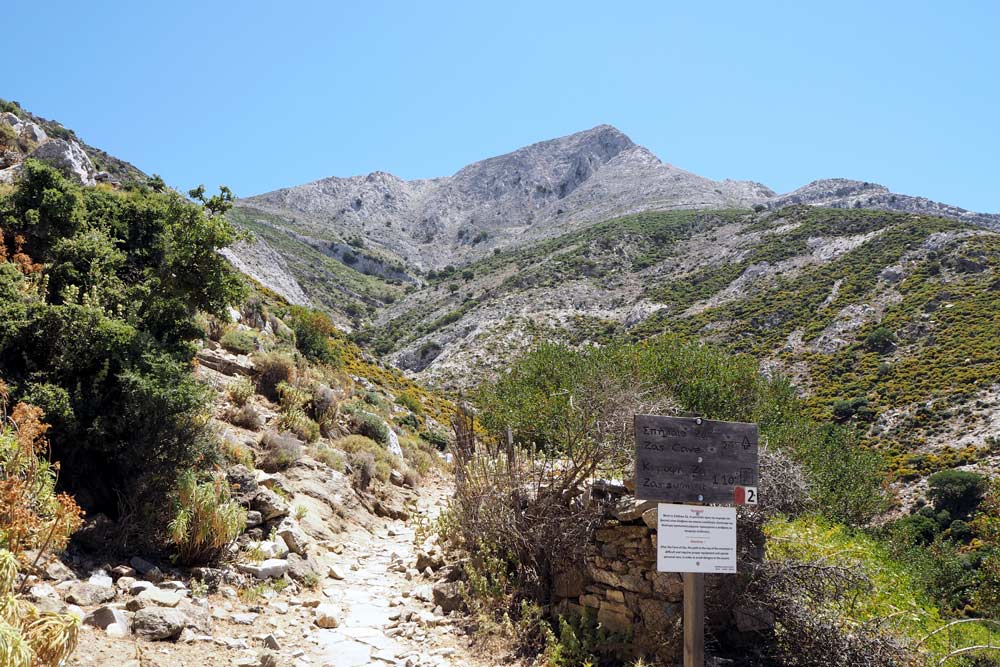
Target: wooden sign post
(695, 461)
(694, 619)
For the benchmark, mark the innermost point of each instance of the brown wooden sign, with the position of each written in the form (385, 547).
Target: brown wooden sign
(693, 460)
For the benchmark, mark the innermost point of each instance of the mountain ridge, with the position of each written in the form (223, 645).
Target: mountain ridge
(369, 236)
(546, 188)
(533, 192)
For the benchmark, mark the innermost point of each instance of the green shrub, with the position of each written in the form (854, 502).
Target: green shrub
(234, 452)
(105, 340)
(8, 137)
(371, 426)
(332, 458)
(957, 491)
(298, 422)
(420, 455)
(239, 341)
(359, 448)
(846, 480)
(206, 521)
(54, 401)
(960, 531)
(313, 330)
(373, 399)
(857, 407)
(272, 369)
(410, 402)
(409, 420)
(880, 340)
(162, 427)
(436, 438)
(291, 397)
(383, 469)
(921, 527)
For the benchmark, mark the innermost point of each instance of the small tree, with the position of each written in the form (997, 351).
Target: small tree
(957, 491)
(846, 480)
(881, 340)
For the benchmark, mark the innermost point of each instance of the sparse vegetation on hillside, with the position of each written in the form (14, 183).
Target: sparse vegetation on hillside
(884, 319)
(331, 283)
(570, 413)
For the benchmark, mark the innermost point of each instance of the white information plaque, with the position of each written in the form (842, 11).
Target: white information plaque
(695, 538)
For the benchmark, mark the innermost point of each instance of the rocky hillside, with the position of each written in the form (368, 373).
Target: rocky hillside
(885, 319)
(845, 193)
(25, 135)
(355, 245)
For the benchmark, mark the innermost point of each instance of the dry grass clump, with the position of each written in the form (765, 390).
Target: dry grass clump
(245, 417)
(32, 517)
(235, 452)
(273, 368)
(207, 520)
(281, 450)
(240, 391)
(332, 458)
(363, 453)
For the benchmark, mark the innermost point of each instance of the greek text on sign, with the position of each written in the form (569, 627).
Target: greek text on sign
(696, 539)
(689, 460)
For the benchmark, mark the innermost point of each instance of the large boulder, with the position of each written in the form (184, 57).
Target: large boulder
(301, 569)
(159, 623)
(393, 444)
(268, 569)
(448, 596)
(33, 133)
(244, 486)
(10, 174)
(102, 617)
(154, 597)
(87, 594)
(68, 157)
(226, 363)
(269, 504)
(294, 538)
(11, 119)
(270, 548)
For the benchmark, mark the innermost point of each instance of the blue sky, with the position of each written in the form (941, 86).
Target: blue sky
(260, 95)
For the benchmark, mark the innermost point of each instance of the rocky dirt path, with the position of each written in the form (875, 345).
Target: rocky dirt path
(388, 616)
(372, 609)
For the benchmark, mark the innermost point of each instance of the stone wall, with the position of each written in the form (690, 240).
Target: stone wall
(616, 580)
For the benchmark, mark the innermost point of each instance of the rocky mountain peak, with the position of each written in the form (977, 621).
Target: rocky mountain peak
(836, 187)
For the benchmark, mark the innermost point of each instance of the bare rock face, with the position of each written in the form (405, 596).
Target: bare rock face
(448, 596)
(262, 263)
(68, 157)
